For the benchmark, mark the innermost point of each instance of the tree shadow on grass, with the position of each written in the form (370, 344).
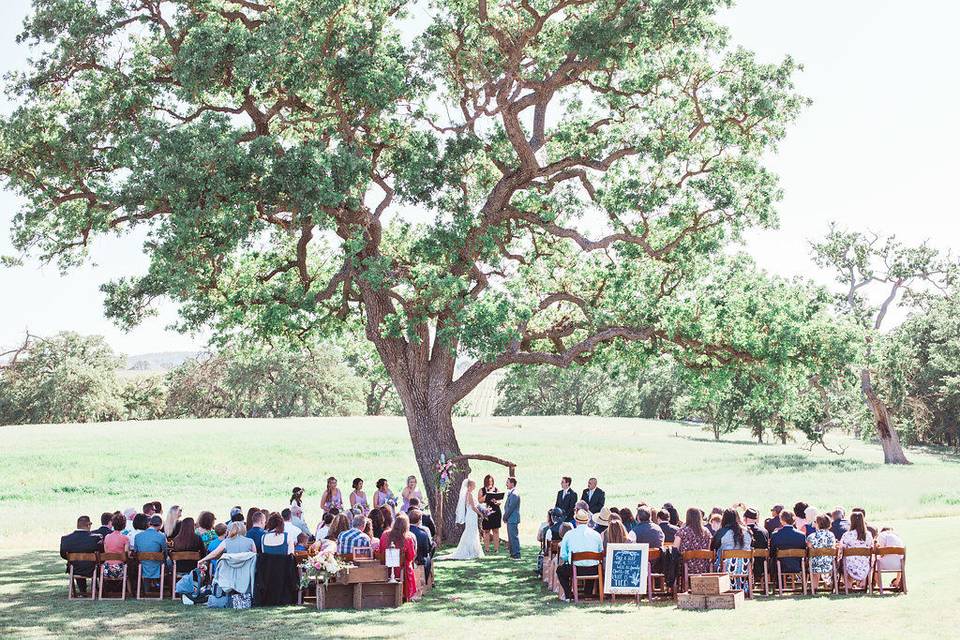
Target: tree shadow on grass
(800, 462)
(33, 601)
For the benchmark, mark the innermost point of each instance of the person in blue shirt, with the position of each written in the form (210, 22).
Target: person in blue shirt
(151, 541)
(221, 531)
(840, 523)
(581, 539)
(256, 530)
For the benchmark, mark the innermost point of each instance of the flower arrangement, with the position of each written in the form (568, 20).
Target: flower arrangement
(445, 468)
(322, 567)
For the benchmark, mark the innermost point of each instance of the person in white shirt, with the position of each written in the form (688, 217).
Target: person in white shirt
(581, 539)
(888, 538)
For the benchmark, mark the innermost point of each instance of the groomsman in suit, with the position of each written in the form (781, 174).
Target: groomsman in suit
(511, 515)
(593, 496)
(82, 540)
(566, 499)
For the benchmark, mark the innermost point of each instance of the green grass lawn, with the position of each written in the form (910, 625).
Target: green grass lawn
(50, 474)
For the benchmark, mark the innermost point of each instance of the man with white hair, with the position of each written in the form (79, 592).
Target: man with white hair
(354, 536)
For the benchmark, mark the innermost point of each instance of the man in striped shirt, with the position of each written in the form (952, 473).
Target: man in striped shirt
(353, 537)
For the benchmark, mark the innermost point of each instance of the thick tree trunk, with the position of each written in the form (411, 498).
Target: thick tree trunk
(432, 434)
(889, 440)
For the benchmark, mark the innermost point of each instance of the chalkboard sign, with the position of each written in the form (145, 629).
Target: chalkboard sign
(625, 569)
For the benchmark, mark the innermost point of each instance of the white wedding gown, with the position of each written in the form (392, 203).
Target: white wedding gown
(469, 547)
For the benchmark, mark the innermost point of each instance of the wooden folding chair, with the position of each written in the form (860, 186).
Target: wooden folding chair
(851, 552)
(304, 593)
(553, 583)
(174, 574)
(577, 579)
(763, 556)
(747, 574)
(688, 556)
(791, 577)
(656, 582)
(834, 565)
(82, 557)
(113, 557)
(878, 572)
(157, 556)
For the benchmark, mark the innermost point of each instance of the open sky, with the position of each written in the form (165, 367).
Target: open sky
(876, 150)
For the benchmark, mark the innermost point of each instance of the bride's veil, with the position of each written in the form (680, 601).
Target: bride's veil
(462, 503)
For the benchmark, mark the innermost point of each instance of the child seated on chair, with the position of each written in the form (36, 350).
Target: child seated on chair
(302, 541)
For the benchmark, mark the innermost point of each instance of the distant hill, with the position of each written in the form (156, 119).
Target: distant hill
(162, 361)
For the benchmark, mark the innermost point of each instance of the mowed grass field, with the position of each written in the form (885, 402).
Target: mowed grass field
(50, 474)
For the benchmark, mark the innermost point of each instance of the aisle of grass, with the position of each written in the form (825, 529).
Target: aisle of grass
(49, 474)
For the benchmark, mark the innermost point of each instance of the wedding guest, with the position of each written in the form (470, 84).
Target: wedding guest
(148, 510)
(340, 524)
(693, 536)
(566, 499)
(715, 522)
(425, 519)
(105, 519)
(302, 541)
(289, 526)
(236, 514)
(543, 528)
(558, 525)
(840, 523)
(889, 538)
(732, 536)
(669, 530)
(187, 540)
(323, 527)
(787, 537)
(277, 578)
(82, 540)
(602, 520)
(761, 539)
(594, 497)
(115, 542)
(220, 529)
(368, 531)
(248, 521)
(410, 491)
(399, 536)
(157, 508)
(626, 515)
(614, 533)
(386, 515)
(491, 523)
(332, 498)
(171, 526)
(862, 512)
(647, 532)
(799, 517)
(354, 536)
(856, 568)
(772, 523)
(151, 541)
(674, 514)
(256, 530)
(296, 519)
(129, 513)
(205, 523)
(358, 499)
(384, 496)
(425, 544)
(810, 516)
(581, 539)
(140, 523)
(296, 497)
(376, 522)
(822, 538)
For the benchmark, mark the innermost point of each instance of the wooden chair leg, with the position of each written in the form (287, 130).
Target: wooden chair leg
(101, 580)
(139, 580)
(779, 579)
(573, 583)
(72, 586)
(123, 587)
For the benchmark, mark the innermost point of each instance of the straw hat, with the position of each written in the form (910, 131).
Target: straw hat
(603, 517)
(582, 516)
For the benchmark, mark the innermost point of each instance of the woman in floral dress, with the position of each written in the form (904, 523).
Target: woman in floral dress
(856, 568)
(822, 538)
(693, 536)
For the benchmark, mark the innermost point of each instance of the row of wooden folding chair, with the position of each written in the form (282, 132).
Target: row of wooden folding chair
(99, 578)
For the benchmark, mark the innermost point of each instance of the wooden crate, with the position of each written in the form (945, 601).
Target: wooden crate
(691, 601)
(362, 595)
(708, 584)
(366, 572)
(728, 600)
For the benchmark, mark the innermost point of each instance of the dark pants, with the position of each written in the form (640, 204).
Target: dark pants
(513, 536)
(565, 574)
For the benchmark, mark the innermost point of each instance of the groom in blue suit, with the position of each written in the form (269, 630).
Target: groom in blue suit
(511, 515)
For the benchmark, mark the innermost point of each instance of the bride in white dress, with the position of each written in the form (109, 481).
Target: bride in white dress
(469, 516)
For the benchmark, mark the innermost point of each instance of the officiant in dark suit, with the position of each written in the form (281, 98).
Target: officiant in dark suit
(566, 499)
(593, 496)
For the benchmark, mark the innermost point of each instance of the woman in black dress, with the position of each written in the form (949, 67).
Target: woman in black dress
(491, 523)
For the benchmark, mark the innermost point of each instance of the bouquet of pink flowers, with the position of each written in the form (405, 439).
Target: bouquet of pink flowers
(445, 468)
(322, 567)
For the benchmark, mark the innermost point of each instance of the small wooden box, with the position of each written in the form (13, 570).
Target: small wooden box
(691, 601)
(366, 572)
(728, 600)
(708, 584)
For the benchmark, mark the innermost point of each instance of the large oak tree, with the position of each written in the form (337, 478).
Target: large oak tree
(518, 183)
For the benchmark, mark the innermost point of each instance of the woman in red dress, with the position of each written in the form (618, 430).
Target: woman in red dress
(400, 537)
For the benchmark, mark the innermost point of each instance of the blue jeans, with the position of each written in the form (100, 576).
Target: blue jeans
(513, 535)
